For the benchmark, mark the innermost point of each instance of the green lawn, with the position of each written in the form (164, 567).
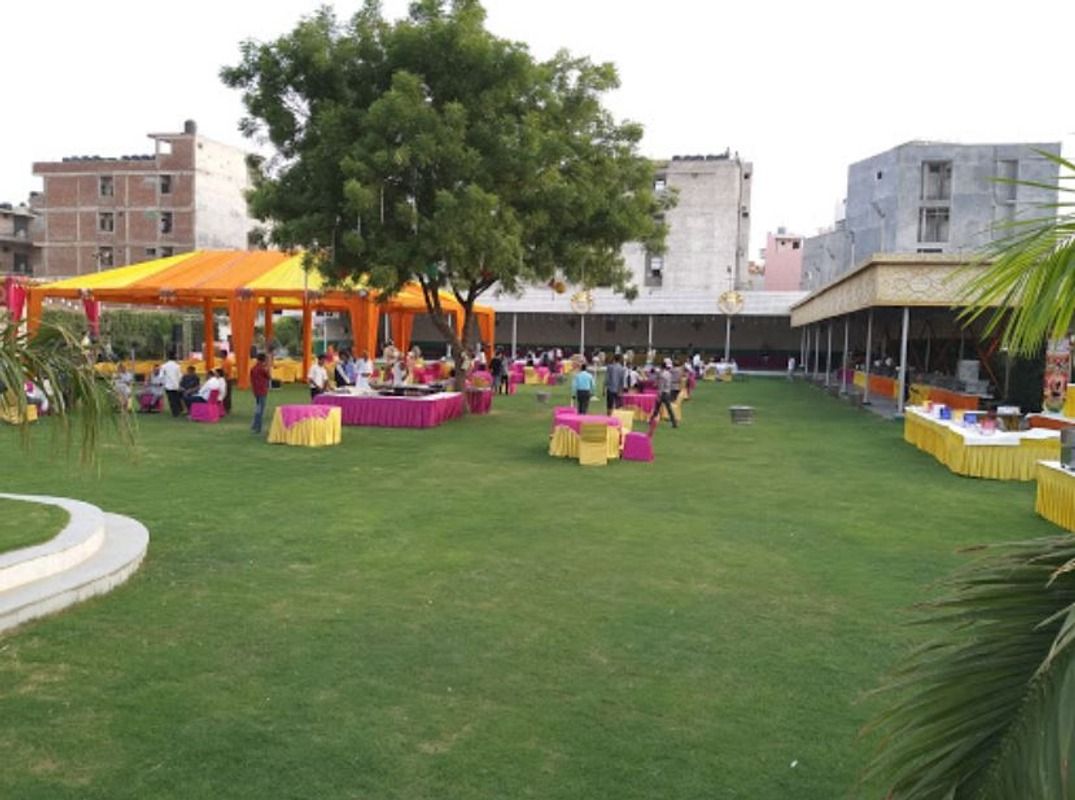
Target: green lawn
(453, 614)
(26, 524)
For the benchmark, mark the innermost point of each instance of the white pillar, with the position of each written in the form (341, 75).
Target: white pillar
(843, 361)
(649, 336)
(869, 345)
(903, 357)
(582, 334)
(828, 355)
(817, 352)
(514, 334)
(727, 338)
(802, 344)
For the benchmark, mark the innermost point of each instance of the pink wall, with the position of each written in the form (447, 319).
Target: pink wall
(783, 262)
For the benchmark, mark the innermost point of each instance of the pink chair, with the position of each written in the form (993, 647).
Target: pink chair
(638, 446)
(210, 411)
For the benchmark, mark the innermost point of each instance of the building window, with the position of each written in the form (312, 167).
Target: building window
(654, 269)
(105, 186)
(930, 250)
(166, 184)
(936, 180)
(933, 225)
(167, 252)
(795, 245)
(21, 263)
(880, 174)
(1007, 172)
(660, 183)
(151, 252)
(105, 258)
(106, 222)
(166, 222)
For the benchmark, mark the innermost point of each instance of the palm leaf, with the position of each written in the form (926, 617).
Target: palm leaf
(82, 403)
(986, 708)
(1027, 290)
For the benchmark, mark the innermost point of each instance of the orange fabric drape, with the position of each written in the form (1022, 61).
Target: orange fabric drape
(268, 322)
(242, 312)
(364, 318)
(487, 330)
(307, 339)
(34, 299)
(402, 326)
(209, 336)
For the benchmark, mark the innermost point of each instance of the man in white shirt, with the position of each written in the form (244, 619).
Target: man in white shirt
(171, 375)
(363, 371)
(317, 377)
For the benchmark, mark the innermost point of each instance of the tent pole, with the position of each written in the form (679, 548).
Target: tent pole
(209, 335)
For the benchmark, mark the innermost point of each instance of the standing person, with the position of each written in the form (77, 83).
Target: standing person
(399, 373)
(615, 378)
(582, 388)
(496, 369)
(260, 381)
(363, 371)
(343, 373)
(229, 370)
(172, 375)
(664, 387)
(317, 377)
(791, 368)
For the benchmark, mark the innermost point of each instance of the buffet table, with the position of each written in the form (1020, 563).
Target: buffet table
(305, 425)
(567, 426)
(1056, 494)
(395, 412)
(966, 451)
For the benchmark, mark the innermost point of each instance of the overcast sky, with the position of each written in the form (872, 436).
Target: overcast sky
(801, 89)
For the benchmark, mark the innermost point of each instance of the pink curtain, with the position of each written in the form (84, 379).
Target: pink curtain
(93, 315)
(14, 297)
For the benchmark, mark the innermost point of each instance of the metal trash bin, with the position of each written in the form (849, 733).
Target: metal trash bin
(1067, 448)
(742, 415)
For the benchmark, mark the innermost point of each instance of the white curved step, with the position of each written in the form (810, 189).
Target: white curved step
(79, 539)
(121, 551)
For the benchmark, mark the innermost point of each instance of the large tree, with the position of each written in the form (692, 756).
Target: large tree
(430, 150)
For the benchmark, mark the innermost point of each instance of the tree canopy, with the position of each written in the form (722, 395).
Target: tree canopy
(429, 149)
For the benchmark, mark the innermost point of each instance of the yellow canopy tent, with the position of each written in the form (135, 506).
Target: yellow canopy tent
(248, 282)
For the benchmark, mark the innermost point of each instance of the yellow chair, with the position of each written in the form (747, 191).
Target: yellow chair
(626, 416)
(593, 444)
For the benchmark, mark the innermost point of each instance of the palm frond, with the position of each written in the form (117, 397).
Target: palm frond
(82, 403)
(1027, 291)
(985, 709)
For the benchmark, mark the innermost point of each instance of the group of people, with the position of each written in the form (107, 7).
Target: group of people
(621, 378)
(347, 371)
(168, 381)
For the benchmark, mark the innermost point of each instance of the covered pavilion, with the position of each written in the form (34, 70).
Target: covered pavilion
(886, 293)
(246, 283)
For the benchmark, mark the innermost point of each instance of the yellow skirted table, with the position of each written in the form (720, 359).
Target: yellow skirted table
(1056, 494)
(565, 442)
(311, 431)
(1007, 456)
(287, 370)
(9, 413)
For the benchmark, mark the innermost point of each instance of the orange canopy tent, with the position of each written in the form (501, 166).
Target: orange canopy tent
(248, 282)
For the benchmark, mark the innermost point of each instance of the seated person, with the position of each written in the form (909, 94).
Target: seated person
(122, 383)
(35, 396)
(214, 381)
(149, 399)
(188, 385)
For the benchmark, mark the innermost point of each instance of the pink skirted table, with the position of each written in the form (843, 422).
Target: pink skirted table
(479, 401)
(643, 404)
(396, 412)
(567, 427)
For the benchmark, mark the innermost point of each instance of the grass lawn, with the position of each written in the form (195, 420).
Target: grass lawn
(26, 524)
(451, 613)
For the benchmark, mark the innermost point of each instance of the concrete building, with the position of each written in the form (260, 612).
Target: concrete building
(930, 197)
(18, 253)
(783, 261)
(97, 213)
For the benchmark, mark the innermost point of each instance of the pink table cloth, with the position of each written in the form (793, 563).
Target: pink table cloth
(574, 421)
(396, 412)
(479, 401)
(289, 415)
(645, 402)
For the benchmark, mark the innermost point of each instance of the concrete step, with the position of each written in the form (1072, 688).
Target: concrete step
(79, 540)
(122, 548)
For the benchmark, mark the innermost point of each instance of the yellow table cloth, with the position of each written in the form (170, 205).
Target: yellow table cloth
(1056, 494)
(9, 413)
(1006, 456)
(312, 432)
(565, 442)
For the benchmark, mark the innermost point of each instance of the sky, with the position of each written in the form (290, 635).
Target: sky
(800, 89)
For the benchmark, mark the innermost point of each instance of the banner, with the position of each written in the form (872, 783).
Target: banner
(1057, 374)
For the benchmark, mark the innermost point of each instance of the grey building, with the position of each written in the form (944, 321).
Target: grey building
(930, 197)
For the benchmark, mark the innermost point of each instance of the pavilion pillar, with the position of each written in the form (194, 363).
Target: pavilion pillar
(817, 352)
(828, 355)
(844, 360)
(242, 313)
(209, 335)
(904, 329)
(267, 327)
(307, 338)
(802, 346)
(727, 338)
(649, 337)
(582, 335)
(869, 348)
(514, 334)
